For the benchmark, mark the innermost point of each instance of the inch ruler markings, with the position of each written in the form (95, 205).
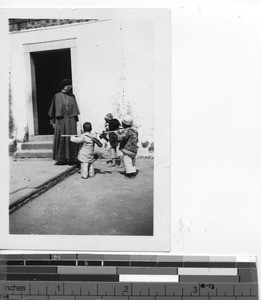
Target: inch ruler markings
(126, 277)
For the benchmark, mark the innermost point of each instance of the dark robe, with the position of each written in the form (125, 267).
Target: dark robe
(64, 113)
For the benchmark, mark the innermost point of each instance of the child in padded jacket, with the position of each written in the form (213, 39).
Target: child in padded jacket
(112, 124)
(129, 147)
(86, 153)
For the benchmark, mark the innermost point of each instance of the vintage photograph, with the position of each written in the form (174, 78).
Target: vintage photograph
(84, 120)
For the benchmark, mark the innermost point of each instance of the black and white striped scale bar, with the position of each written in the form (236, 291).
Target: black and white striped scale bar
(129, 277)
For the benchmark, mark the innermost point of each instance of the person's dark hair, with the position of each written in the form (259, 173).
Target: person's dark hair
(87, 127)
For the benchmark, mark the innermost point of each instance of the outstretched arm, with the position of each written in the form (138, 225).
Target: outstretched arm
(77, 140)
(97, 142)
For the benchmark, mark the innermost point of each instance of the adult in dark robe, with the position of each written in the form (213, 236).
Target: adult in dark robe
(63, 114)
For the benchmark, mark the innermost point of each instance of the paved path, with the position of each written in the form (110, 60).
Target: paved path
(27, 175)
(107, 204)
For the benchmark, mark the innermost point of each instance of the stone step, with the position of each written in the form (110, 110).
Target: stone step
(41, 138)
(37, 145)
(43, 153)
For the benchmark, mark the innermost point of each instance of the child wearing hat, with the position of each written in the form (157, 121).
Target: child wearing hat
(86, 153)
(129, 146)
(112, 124)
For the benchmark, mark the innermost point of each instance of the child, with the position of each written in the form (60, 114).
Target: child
(112, 124)
(129, 147)
(86, 153)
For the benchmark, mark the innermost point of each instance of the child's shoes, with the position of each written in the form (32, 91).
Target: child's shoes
(130, 175)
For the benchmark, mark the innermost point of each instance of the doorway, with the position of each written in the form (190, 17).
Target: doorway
(50, 68)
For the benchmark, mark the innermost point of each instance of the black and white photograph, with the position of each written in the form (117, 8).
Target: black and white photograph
(89, 126)
(130, 152)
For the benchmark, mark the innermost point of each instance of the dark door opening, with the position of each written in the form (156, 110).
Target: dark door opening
(51, 67)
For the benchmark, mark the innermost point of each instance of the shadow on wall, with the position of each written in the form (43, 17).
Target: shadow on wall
(148, 145)
(11, 118)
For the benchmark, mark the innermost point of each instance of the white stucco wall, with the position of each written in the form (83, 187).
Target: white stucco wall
(114, 70)
(17, 78)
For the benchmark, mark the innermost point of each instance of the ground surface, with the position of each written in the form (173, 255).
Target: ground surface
(27, 175)
(107, 204)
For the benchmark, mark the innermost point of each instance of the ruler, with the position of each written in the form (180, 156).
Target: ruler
(126, 277)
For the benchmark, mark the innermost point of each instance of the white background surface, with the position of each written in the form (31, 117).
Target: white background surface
(216, 130)
(216, 123)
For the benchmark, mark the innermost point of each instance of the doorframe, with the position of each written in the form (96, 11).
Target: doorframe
(31, 97)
